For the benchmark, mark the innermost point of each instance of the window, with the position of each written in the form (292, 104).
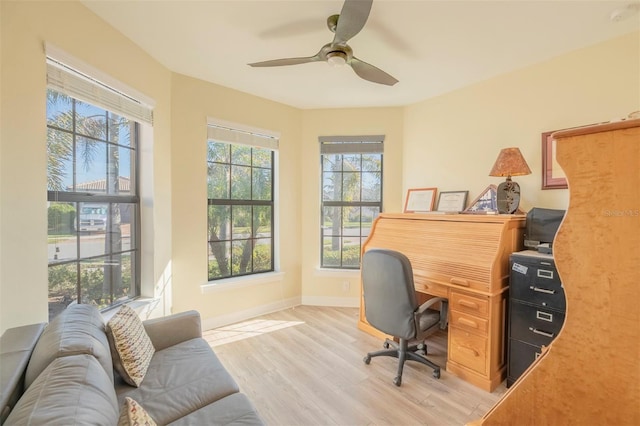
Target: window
(240, 207)
(351, 196)
(92, 197)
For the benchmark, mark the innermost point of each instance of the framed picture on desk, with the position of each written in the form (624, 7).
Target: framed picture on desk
(420, 200)
(452, 201)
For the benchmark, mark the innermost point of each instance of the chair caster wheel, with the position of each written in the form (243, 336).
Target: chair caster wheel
(367, 359)
(436, 373)
(397, 381)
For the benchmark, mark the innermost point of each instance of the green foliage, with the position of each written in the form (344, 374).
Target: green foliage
(61, 217)
(261, 261)
(350, 256)
(63, 283)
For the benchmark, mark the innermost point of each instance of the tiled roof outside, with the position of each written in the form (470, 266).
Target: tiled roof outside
(100, 185)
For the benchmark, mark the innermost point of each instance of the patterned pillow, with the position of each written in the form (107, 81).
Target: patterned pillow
(132, 414)
(131, 348)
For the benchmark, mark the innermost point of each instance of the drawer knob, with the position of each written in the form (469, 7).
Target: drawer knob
(459, 281)
(468, 304)
(469, 350)
(468, 322)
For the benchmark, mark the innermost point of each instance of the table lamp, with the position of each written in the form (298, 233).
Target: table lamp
(510, 162)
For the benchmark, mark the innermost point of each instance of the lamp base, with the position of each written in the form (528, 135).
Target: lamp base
(508, 197)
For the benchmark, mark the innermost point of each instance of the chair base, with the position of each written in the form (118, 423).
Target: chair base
(404, 352)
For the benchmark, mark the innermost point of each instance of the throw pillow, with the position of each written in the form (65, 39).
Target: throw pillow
(133, 414)
(131, 348)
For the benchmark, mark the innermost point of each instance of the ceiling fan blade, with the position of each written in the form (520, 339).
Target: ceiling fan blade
(371, 73)
(352, 18)
(286, 61)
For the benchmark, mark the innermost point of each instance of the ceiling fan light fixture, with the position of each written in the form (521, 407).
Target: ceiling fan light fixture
(337, 58)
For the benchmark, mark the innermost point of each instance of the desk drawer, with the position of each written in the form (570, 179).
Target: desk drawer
(468, 349)
(535, 325)
(478, 306)
(424, 286)
(469, 322)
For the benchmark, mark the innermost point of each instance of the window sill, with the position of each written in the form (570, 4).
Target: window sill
(241, 282)
(329, 272)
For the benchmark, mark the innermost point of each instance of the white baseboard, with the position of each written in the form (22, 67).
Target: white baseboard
(342, 302)
(232, 318)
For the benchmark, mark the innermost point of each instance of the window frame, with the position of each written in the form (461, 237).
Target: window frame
(77, 197)
(348, 145)
(230, 202)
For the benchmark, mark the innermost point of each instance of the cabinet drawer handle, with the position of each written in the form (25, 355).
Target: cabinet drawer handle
(542, 290)
(540, 332)
(543, 273)
(468, 304)
(468, 322)
(470, 350)
(459, 281)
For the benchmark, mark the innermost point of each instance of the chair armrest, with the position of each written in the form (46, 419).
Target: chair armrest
(444, 310)
(173, 329)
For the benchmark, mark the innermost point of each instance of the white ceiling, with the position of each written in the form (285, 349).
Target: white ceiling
(432, 47)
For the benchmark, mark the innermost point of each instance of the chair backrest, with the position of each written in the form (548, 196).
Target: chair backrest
(389, 294)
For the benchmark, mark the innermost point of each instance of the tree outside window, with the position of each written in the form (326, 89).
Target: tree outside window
(240, 209)
(92, 204)
(351, 197)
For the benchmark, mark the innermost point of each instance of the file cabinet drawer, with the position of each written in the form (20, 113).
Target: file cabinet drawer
(478, 306)
(469, 322)
(533, 324)
(521, 355)
(536, 283)
(468, 349)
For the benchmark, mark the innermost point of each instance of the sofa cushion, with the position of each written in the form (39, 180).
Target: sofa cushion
(235, 409)
(72, 390)
(16, 345)
(79, 329)
(180, 380)
(132, 414)
(131, 347)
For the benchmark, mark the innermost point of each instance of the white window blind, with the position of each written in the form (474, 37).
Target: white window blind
(370, 144)
(78, 85)
(243, 135)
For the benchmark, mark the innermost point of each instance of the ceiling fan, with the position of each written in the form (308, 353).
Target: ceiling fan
(346, 25)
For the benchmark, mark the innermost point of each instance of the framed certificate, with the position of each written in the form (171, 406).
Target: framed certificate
(452, 201)
(420, 200)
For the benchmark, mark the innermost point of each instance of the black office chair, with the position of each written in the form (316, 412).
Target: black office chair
(391, 306)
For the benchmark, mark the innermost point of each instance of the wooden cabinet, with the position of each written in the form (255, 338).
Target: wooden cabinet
(464, 258)
(536, 309)
(590, 374)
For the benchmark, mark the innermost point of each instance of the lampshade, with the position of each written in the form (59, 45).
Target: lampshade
(510, 162)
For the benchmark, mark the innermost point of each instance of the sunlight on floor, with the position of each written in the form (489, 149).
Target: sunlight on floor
(245, 330)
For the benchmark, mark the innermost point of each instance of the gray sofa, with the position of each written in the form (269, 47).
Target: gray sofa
(62, 374)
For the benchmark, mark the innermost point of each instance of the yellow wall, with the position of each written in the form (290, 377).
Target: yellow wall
(326, 287)
(452, 141)
(449, 142)
(192, 102)
(23, 197)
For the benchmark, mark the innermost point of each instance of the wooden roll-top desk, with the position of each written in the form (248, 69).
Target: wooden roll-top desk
(464, 258)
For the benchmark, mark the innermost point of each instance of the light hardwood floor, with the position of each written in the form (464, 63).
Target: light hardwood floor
(303, 366)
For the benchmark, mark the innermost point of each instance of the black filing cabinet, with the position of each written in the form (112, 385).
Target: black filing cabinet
(536, 309)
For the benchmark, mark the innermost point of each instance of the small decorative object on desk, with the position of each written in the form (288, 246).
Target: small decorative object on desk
(486, 203)
(452, 201)
(420, 200)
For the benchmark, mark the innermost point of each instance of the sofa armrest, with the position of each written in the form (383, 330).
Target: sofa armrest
(173, 329)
